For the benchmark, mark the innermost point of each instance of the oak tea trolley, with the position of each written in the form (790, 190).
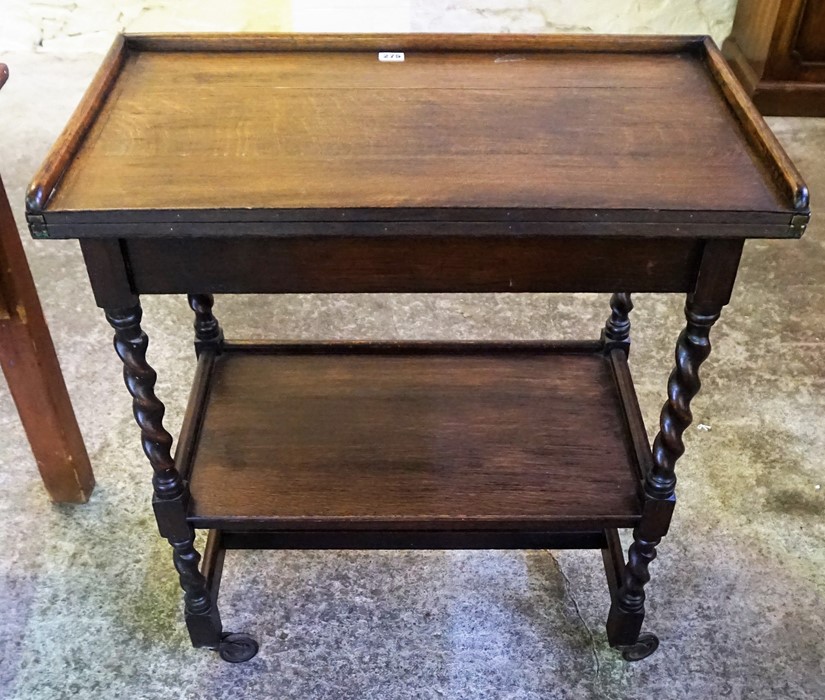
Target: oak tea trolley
(269, 164)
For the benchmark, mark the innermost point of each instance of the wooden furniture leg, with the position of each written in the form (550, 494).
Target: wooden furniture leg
(627, 613)
(33, 373)
(208, 331)
(717, 274)
(171, 493)
(616, 333)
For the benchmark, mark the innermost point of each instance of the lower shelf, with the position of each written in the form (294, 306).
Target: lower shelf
(494, 438)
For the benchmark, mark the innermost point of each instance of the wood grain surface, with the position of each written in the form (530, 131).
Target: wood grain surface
(30, 365)
(341, 130)
(395, 440)
(777, 49)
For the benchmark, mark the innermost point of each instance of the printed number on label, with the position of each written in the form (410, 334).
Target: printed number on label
(391, 56)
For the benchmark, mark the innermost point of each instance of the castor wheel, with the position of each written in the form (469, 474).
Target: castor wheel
(645, 645)
(237, 648)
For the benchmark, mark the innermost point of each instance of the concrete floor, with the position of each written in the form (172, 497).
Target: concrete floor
(89, 598)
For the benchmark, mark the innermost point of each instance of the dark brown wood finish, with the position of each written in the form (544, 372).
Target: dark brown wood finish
(343, 134)
(32, 371)
(431, 263)
(193, 419)
(717, 274)
(762, 139)
(213, 559)
(636, 432)
(412, 539)
(171, 495)
(208, 333)
(108, 267)
(299, 43)
(481, 163)
(131, 343)
(414, 223)
(409, 441)
(616, 333)
(777, 49)
(65, 148)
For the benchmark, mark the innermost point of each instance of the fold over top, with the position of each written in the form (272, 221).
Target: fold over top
(492, 131)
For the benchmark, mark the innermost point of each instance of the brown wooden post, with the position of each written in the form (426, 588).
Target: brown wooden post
(33, 374)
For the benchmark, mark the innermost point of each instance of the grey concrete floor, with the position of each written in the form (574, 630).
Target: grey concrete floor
(89, 599)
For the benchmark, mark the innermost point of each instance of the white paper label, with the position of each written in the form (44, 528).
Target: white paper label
(390, 56)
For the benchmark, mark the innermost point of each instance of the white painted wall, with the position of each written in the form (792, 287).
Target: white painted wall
(79, 26)
(600, 16)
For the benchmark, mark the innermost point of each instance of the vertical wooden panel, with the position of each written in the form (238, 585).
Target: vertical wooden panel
(33, 374)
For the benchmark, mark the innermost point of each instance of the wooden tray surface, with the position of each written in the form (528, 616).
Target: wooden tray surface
(412, 439)
(215, 128)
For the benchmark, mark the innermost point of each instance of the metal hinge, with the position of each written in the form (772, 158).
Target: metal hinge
(37, 225)
(798, 223)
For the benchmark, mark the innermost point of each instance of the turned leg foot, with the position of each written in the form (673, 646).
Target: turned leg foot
(627, 613)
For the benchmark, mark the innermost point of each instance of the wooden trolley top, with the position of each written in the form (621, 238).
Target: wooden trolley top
(647, 135)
